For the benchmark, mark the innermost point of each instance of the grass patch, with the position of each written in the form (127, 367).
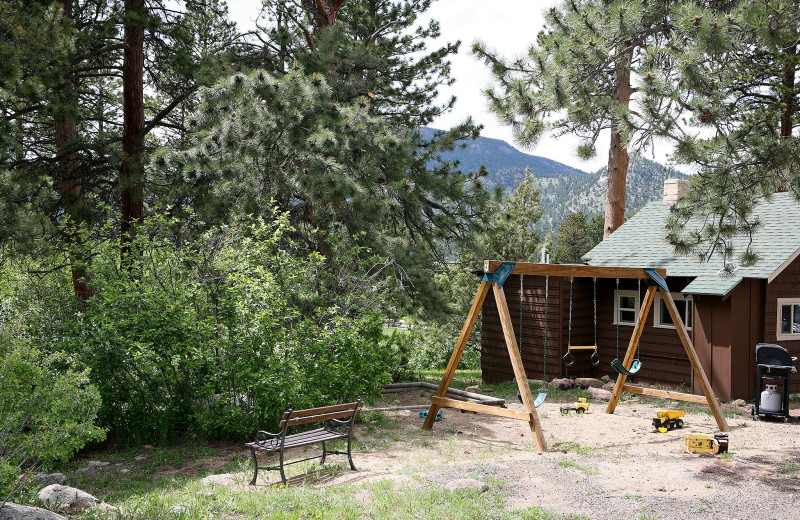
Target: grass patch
(573, 447)
(580, 467)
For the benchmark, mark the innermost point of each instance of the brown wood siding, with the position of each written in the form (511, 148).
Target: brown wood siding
(495, 362)
(663, 359)
(785, 285)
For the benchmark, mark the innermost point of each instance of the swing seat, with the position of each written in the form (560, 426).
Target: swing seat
(587, 347)
(540, 397)
(620, 367)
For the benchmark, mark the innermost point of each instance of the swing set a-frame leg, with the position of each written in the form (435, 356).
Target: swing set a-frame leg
(519, 370)
(472, 317)
(649, 296)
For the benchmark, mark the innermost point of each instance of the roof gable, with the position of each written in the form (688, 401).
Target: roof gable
(640, 243)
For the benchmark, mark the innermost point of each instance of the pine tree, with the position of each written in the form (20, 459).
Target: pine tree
(577, 235)
(511, 235)
(264, 143)
(730, 109)
(577, 79)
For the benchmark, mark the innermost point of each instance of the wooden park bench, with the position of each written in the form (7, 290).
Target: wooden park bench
(336, 421)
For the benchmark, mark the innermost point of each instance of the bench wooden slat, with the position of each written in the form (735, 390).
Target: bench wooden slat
(325, 409)
(295, 421)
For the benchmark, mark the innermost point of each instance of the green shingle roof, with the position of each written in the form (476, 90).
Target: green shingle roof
(640, 242)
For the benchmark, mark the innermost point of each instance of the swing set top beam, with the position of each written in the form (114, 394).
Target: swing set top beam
(574, 270)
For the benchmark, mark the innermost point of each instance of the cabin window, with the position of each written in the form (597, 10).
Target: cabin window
(788, 318)
(626, 307)
(661, 317)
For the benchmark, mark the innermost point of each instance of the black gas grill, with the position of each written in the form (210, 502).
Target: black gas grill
(773, 362)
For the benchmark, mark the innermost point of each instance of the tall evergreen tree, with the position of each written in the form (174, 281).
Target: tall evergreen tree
(577, 235)
(511, 234)
(577, 79)
(730, 109)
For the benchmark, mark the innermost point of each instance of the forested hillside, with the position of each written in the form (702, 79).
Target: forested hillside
(565, 189)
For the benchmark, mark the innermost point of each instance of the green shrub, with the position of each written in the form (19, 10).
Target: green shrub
(218, 335)
(47, 411)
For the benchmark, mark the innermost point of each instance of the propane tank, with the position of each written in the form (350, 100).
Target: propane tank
(771, 399)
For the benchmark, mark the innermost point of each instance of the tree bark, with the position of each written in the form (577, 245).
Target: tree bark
(618, 158)
(131, 177)
(71, 183)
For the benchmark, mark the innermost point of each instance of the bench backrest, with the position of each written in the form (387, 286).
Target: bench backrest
(325, 413)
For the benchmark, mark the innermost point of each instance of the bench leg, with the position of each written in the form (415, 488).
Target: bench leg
(349, 455)
(324, 453)
(255, 465)
(280, 467)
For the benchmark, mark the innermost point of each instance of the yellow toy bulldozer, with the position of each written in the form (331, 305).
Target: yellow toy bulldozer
(699, 442)
(581, 406)
(666, 420)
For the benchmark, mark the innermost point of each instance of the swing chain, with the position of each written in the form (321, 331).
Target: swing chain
(594, 286)
(546, 305)
(569, 329)
(616, 317)
(521, 279)
(638, 305)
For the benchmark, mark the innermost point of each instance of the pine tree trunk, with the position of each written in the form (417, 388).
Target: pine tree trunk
(618, 158)
(131, 178)
(71, 184)
(787, 116)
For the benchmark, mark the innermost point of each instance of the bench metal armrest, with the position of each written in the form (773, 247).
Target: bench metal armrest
(262, 436)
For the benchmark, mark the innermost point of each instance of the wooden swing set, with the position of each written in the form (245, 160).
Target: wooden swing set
(495, 275)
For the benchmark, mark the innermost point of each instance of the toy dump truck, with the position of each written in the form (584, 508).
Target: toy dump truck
(580, 406)
(699, 442)
(666, 420)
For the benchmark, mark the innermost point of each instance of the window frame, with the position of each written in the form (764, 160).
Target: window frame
(657, 311)
(637, 306)
(791, 336)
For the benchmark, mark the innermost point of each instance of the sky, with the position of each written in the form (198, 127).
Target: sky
(509, 27)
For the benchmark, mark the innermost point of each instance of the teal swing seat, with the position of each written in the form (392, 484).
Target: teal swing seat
(620, 367)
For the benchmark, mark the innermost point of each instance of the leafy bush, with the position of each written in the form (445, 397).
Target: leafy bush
(47, 411)
(219, 335)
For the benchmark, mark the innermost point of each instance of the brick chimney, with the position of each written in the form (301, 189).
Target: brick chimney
(674, 189)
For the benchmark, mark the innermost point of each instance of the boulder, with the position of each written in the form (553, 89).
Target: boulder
(46, 479)
(475, 389)
(599, 393)
(562, 384)
(466, 483)
(17, 512)
(739, 402)
(58, 497)
(588, 382)
(607, 378)
(609, 386)
(97, 464)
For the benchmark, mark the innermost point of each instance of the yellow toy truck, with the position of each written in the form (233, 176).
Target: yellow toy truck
(581, 406)
(666, 420)
(699, 442)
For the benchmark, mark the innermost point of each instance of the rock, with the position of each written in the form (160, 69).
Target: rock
(475, 389)
(739, 402)
(609, 386)
(60, 497)
(607, 378)
(124, 470)
(466, 483)
(599, 393)
(46, 479)
(588, 382)
(139, 458)
(488, 390)
(82, 470)
(97, 464)
(562, 384)
(17, 512)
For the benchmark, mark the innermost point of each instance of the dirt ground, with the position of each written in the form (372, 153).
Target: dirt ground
(603, 466)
